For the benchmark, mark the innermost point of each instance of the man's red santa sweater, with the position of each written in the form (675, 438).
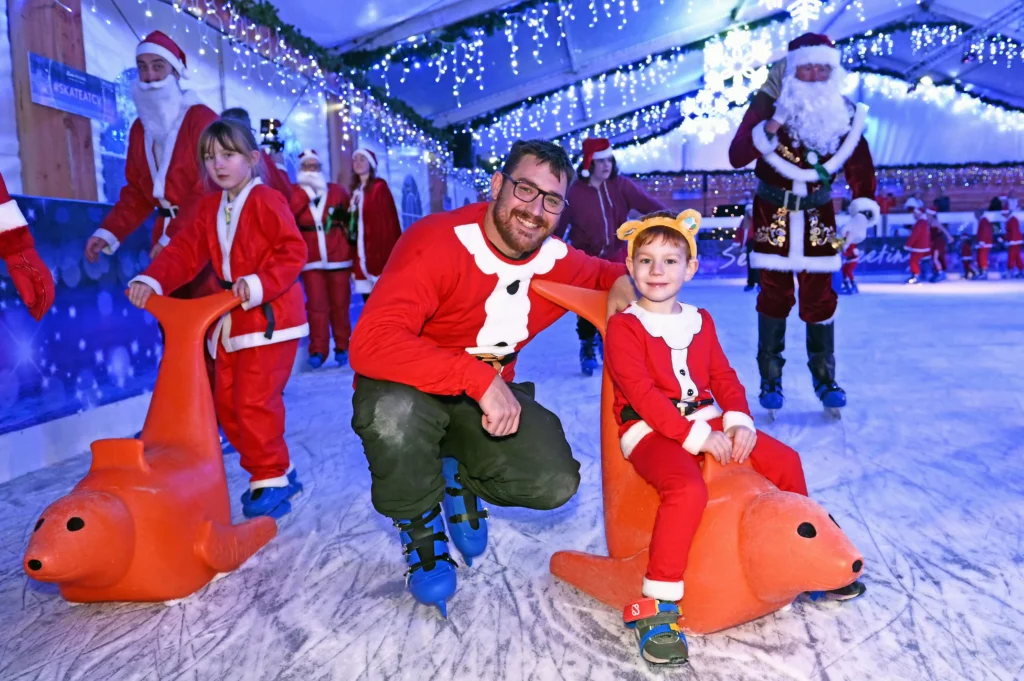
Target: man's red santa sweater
(448, 298)
(657, 360)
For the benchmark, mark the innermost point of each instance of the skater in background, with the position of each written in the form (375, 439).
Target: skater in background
(983, 240)
(745, 238)
(321, 211)
(919, 244)
(598, 202)
(249, 234)
(677, 400)
(851, 255)
(800, 139)
(1014, 241)
(32, 278)
(967, 254)
(940, 238)
(374, 227)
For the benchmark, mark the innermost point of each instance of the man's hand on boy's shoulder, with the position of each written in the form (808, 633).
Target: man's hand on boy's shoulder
(743, 441)
(621, 295)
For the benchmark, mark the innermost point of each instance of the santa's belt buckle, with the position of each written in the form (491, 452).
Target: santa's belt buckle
(169, 212)
(793, 205)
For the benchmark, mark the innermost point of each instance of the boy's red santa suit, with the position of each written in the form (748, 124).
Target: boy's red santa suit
(376, 228)
(320, 208)
(983, 243)
(919, 243)
(162, 168)
(477, 306)
(821, 134)
(32, 278)
(1014, 241)
(851, 256)
(254, 346)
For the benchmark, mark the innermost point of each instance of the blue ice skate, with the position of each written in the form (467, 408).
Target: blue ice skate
(294, 487)
(771, 397)
(830, 394)
(466, 517)
(315, 361)
(431, 575)
(588, 357)
(268, 501)
(341, 357)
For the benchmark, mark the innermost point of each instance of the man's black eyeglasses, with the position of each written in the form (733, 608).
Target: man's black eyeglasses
(553, 203)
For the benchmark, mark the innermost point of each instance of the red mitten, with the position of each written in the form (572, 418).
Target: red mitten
(31, 276)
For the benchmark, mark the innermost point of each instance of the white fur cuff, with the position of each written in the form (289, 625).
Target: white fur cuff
(761, 141)
(663, 591)
(112, 243)
(255, 291)
(737, 418)
(698, 434)
(11, 216)
(150, 282)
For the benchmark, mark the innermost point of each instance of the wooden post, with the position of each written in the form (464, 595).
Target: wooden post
(55, 147)
(341, 159)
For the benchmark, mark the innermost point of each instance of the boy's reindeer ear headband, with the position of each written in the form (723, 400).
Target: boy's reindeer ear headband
(686, 223)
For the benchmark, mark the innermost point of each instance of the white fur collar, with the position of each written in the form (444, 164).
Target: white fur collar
(677, 330)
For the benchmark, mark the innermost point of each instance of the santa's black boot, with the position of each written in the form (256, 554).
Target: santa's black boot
(821, 360)
(771, 341)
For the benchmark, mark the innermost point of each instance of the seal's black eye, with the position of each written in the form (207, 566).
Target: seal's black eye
(807, 531)
(39, 523)
(75, 524)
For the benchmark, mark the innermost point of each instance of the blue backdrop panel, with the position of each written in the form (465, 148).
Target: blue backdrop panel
(93, 347)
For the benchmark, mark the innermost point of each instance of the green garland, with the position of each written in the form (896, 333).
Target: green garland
(908, 166)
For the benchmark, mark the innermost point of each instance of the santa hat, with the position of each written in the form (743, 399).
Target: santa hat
(370, 157)
(159, 44)
(811, 48)
(931, 212)
(594, 148)
(10, 214)
(309, 153)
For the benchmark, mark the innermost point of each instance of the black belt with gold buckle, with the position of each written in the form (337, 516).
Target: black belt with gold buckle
(629, 414)
(169, 213)
(784, 198)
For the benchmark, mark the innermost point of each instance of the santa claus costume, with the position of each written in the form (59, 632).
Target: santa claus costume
(919, 244)
(253, 238)
(1014, 241)
(983, 240)
(820, 134)
(321, 211)
(162, 168)
(594, 210)
(374, 225)
(940, 237)
(450, 315)
(32, 278)
(967, 255)
(851, 256)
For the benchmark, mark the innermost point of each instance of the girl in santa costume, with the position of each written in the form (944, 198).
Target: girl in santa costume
(940, 237)
(1014, 241)
(249, 234)
(967, 255)
(919, 243)
(32, 278)
(321, 210)
(597, 203)
(983, 241)
(373, 224)
(668, 372)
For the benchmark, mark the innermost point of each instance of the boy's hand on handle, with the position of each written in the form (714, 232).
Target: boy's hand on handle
(717, 445)
(139, 293)
(743, 440)
(241, 290)
(501, 409)
(621, 295)
(93, 247)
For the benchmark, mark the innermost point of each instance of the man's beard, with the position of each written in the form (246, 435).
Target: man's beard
(315, 180)
(158, 104)
(517, 237)
(815, 114)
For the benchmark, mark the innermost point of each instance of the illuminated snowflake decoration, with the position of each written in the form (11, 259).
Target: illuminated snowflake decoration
(803, 12)
(706, 116)
(736, 65)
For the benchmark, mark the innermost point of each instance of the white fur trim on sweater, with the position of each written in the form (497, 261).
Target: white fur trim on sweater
(663, 591)
(737, 418)
(639, 430)
(677, 330)
(112, 243)
(148, 281)
(11, 216)
(158, 172)
(255, 291)
(807, 175)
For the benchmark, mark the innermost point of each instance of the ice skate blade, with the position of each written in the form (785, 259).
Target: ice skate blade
(833, 413)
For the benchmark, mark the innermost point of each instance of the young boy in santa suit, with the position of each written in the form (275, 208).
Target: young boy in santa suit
(940, 236)
(851, 255)
(374, 227)
(919, 243)
(32, 278)
(967, 255)
(983, 240)
(320, 208)
(249, 234)
(668, 371)
(1014, 241)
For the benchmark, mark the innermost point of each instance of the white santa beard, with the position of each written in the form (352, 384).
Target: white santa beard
(315, 180)
(815, 114)
(158, 105)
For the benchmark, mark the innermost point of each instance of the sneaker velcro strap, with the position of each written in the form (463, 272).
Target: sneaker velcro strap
(429, 564)
(418, 523)
(471, 515)
(423, 542)
(661, 629)
(642, 609)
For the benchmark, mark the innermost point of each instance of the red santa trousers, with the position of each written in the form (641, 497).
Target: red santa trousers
(1013, 258)
(328, 296)
(249, 401)
(915, 262)
(848, 267)
(676, 474)
(983, 257)
(939, 255)
(818, 300)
